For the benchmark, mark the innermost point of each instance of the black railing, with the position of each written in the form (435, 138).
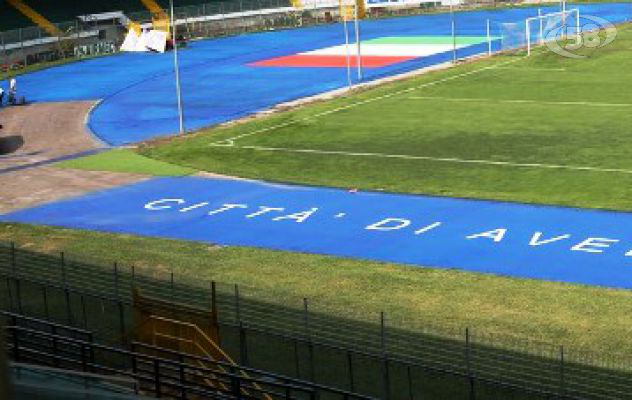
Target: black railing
(374, 359)
(161, 372)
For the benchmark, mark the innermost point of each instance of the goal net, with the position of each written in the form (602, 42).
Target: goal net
(526, 34)
(550, 27)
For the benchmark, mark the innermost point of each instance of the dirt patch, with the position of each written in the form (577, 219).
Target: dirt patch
(38, 133)
(44, 131)
(34, 186)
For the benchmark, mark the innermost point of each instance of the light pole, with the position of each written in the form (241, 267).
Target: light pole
(357, 33)
(453, 22)
(177, 69)
(346, 28)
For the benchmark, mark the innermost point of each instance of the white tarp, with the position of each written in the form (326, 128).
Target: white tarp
(147, 41)
(156, 41)
(131, 41)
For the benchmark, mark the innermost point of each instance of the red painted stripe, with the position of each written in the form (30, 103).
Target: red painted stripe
(300, 60)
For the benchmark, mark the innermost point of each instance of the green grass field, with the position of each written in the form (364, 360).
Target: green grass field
(125, 160)
(446, 133)
(542, 130)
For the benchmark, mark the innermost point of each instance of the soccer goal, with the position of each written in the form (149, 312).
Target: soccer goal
(551, 26)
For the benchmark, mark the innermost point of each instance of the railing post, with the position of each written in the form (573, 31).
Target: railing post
(121, 310)
(62, 262)
(14, 266)
(173, 289)
(387, 378)
(382, 333)
(55, 347)
(308, 335)
(243, 345)
(45, 299)
(237, 314)
(214, 313)
(116, 281)
(157, 378)
(350, 370)
(235, 383)
(411, 391)
(385, 367)
(183, 391)
(297, 366)
(134, 360)
(468, 365)
(562, 372)
(84, 361)
(16, 344)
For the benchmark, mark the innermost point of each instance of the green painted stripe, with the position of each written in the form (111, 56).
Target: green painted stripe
(460, 40)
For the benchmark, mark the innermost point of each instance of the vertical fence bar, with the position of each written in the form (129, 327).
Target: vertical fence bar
(157, 387)
(237, 312)
(84, 312)
(385, 365)
(308, 335)
(350, 371)
(562, 373)
(214, 313)
(382, 333)
(121, 311)
(172, 287)
(10, 294)
(14, 266)
(470, 377)
(62, 261)
(243, 345)
(409, 376)
(116, 281)
(45, 299)
(297, 361)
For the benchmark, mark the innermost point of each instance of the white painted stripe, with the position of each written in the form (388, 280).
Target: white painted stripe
(435, 159)
(230, 141)
(533, 69)
(510, 101)
(386, 50)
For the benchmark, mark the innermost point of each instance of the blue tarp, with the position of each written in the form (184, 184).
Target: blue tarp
(527, 241)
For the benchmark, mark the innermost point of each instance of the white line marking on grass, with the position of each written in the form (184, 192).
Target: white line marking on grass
(231, 141)
(435, 159)
(548, 103)
(533, 69)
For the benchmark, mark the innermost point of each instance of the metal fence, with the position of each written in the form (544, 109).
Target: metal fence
(369, 358)
(155, 370)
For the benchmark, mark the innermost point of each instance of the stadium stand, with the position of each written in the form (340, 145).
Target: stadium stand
(66, 10)
(55, 361)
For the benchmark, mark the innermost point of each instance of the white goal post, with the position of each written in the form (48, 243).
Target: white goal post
(548, 22)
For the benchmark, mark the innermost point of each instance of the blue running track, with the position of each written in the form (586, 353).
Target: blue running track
(542, 242)
(138, 90)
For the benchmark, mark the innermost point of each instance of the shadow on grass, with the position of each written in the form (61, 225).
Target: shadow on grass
(362, 357)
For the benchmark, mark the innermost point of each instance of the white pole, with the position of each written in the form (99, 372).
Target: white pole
(541, 26)
(358, 45)
(453, 32)
(177, 68)
(348, 51)
(578, 29)
(489, 38)
(528, 33)
(564, 17)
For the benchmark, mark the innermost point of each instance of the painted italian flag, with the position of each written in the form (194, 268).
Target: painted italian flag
(376, 53)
